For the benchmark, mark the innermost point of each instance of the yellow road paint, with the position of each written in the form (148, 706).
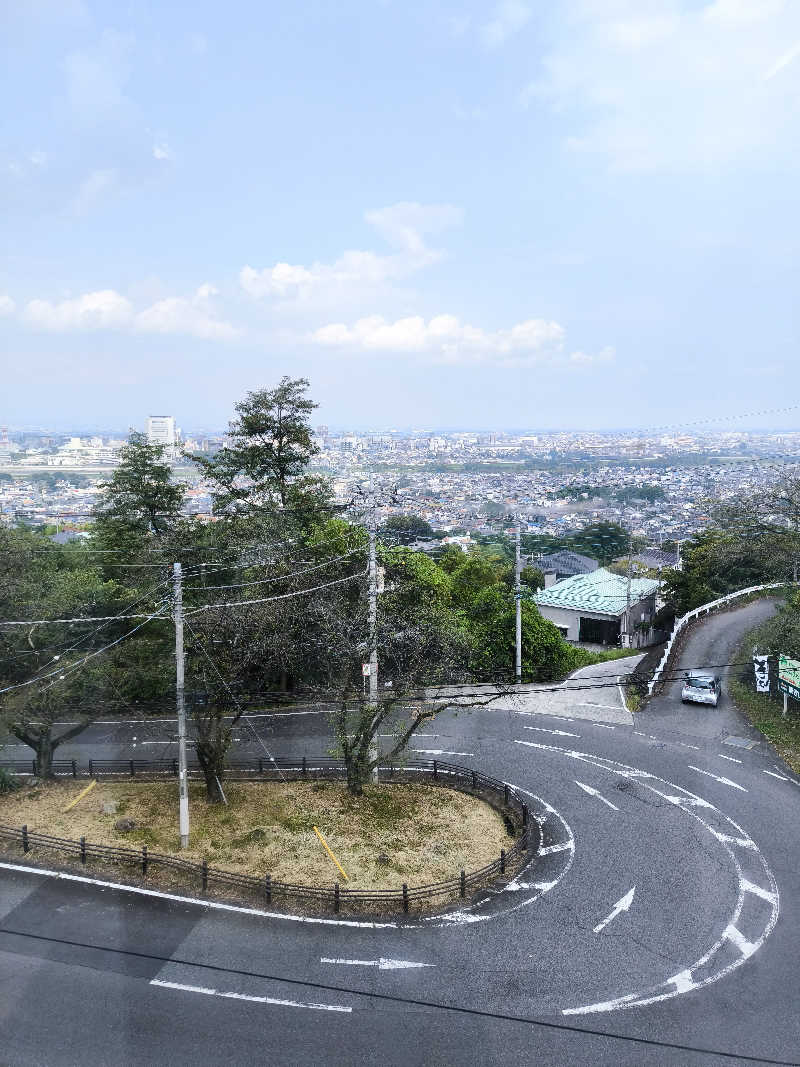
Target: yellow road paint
(80, 796)
(327, 849)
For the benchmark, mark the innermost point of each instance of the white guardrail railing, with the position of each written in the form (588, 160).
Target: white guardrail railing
(690, 616)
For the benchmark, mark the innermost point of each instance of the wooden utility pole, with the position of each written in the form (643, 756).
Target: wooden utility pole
(183, 785)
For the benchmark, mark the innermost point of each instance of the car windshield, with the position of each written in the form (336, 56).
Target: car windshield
(700, 683)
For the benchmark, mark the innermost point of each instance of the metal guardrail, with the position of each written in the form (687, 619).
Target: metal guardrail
(690, 616)
(501, 795)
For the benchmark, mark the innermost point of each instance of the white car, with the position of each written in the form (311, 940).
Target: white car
(701, 687)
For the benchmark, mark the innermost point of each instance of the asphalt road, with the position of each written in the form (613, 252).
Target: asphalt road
(658, 925)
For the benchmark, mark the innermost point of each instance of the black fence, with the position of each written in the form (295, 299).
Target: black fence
(523, 828)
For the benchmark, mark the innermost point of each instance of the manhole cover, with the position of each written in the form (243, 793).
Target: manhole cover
(739, 742)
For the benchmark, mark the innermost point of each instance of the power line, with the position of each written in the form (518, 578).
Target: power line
(280, 596)
(279, 578)
(81, 663)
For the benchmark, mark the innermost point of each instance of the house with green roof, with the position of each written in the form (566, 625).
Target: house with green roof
(593, 608)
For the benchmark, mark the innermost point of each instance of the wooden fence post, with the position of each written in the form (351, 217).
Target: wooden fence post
(25, 845)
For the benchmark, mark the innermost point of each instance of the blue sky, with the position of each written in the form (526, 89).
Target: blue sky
(572, 214)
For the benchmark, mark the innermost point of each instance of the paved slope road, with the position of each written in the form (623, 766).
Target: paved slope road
(658, 924)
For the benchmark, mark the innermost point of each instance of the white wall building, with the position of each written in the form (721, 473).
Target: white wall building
(160, 430)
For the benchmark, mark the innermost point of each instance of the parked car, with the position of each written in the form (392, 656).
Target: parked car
(701, 687)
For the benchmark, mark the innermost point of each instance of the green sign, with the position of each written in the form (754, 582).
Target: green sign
(789, 676)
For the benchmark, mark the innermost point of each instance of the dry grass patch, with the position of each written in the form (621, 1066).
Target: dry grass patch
(429, 833)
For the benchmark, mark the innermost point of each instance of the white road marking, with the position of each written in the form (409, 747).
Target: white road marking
(565, 846)
(382, 964)
(544, 730)
(621, 692)
(604, 725)
(717, 778)
(594, 793)
(772, 774)
(736, 937)
(440, 752)
(623, 904)
(756, 890)
(683, 982)
(733, 759)
(246, 996)
(594, 704)
(684, 745)
(738, 840)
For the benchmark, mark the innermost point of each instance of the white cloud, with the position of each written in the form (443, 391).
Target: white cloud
(92, 189)
(161, 150)
(107, 309)
(38, 158)
(445, 339)
(508, 18)
(193, 316)
(403, 226)
(7, 305)
(671, 86)
(104, 309)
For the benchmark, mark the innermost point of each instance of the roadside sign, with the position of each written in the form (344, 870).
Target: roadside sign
(761, 667)
(789, 676)
(365, 670)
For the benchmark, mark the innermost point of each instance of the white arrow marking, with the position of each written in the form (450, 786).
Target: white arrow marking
(594, 793)
(440, 752)
(723, 781)
(544, 730)
(382, 964)
(246, 996)
(620, 906)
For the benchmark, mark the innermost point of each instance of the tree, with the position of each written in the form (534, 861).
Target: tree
(603, 541)
(533, 577)
(32, 714)
(269, 448)
(405, 529)
(140, 500)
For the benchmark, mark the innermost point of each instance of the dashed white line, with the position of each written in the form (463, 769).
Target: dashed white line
(595, 793)
(718, 778)
(604, 725)
(440, 752)
(733, 759)
(684, 745)
(772, 774)
(544, 730)
(736, 937)
(246, 996)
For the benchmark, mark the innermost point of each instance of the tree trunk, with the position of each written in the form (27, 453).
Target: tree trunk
(212, 763)
(44, 755)
(355, 776)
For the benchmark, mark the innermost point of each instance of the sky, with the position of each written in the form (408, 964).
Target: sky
(580, 214)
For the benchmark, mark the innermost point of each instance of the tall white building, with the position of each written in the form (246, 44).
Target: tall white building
(161, 430)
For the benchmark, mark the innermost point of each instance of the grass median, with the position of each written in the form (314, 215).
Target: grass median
(392, 834)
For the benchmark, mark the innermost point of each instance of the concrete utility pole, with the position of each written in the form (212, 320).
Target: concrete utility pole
(373, 630)
(183, 785)
(628, 632)
(518, 602)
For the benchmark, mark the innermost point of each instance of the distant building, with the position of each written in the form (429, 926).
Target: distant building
(655, 558)
(564, 564)
(592, 608)
(160, 430)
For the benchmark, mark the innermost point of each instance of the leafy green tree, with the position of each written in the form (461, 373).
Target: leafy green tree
(269, 447)
(405, 529)
(603, 541)
(140, 501)
(533, 578)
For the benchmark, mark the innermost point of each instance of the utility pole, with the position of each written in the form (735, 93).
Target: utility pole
(518, 602)
(373, 630)
(628, 634)
(183, 785)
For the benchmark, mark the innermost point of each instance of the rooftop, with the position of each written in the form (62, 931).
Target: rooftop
(599, 591)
